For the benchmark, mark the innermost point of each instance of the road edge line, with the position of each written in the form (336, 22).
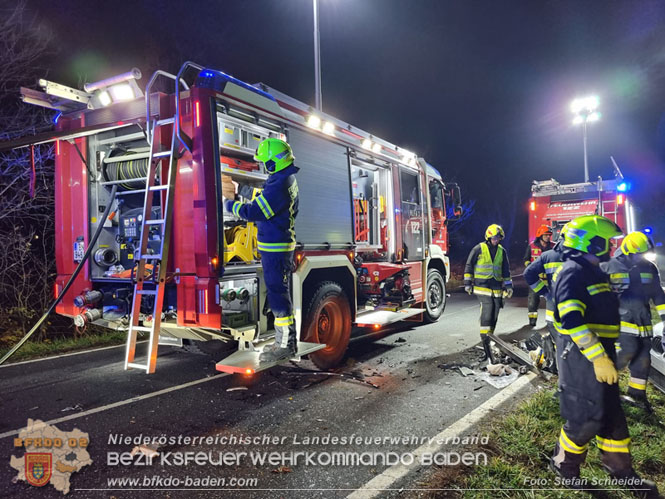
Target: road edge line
(383, 481)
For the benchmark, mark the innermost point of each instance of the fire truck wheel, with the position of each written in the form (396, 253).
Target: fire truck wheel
(435, 299)
(328, 320)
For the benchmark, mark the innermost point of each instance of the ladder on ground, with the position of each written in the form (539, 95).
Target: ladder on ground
(154, 284)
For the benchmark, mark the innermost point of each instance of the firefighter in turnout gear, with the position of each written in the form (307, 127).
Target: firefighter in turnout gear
(274, 212)
(636, 281)
(487, 275)
(536, 248)
(587, 318)
(547, 264)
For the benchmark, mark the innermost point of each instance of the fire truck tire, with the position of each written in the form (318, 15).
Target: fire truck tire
(328, 320)
(435, 298)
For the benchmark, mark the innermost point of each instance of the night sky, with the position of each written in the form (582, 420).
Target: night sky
(481, 89)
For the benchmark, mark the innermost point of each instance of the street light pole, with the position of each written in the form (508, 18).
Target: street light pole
(317, 58)
(586, 156)
(585, 111)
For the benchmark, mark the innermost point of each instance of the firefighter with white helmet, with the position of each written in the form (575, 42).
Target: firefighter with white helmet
(536, 248)
(274, 212)
(587, 318)
(636, 281)
(487, 275)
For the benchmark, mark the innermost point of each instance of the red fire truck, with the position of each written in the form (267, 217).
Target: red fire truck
(555, 204)
(139, 181)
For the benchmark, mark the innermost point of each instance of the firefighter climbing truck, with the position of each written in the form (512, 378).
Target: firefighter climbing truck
(170, 264)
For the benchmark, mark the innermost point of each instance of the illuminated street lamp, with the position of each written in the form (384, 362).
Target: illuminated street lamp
(585, 111)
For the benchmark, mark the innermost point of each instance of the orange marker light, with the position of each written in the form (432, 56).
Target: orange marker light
(197, 113)
(57, 147)
(620, 199)
(214, 261)
(377, 326)
(249, 372)
(533, 206)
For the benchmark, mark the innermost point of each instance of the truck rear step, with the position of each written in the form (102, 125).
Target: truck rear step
(385, 317)
(247, 361)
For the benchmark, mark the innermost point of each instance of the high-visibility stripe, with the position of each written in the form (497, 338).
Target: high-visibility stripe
(568, 306)
(236, 208)
(486, 329)
(477, 290)
(620, 278)
(660, 308)
(537, 286)
(629, 327)
(532, 315)
(276, 247)
(549, 315)
(637, 383)
(507, 282)
(602, 287)
(608, 445)
(260, 203)
(594, 351)
(284, 321)
(267, 205)
(570, 446)
(551, 267)
(646, 277)
(468, 276)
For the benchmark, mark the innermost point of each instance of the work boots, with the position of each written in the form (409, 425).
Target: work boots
(640, 487)
(487, 350)
(285, 345)
(639, 402)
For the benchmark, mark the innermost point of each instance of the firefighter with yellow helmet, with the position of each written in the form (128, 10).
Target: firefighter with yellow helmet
(587, 318)
(636, 282)
(487, 275)
(536, 248)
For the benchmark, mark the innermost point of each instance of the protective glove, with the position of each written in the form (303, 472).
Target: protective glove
(526, 264)
(508, 293)
(469, 289)
(605, 371)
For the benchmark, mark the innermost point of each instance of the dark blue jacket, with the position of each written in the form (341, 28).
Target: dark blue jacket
(547, 263)
(274, 211)
(586, 309)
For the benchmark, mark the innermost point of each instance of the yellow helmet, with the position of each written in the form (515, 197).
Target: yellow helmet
(494, 230)
(635, 243)
(591, 234)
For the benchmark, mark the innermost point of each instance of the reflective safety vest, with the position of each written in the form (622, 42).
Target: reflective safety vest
(486, 268)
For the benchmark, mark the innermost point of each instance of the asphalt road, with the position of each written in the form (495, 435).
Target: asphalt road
(417, 395)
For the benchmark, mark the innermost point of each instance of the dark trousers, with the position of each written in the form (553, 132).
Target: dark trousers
(489, 313)
(533, 303)
(277, 269)
(590, 409)
(635, 352)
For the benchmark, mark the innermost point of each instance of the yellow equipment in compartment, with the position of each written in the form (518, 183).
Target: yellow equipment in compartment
(241, 241)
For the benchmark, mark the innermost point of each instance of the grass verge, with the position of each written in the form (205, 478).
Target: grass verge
(55, 346)
(521, 441)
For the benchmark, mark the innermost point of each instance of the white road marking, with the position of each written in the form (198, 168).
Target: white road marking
(67, 355)
(391, 475)
(121, 403)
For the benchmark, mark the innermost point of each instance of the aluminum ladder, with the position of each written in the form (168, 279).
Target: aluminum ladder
(157, 281)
